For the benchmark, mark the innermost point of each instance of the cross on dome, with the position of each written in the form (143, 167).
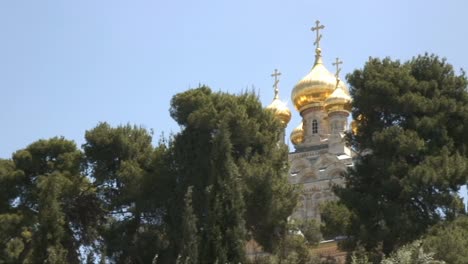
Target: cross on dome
(275, 85)
(337, 64)
(318, 36)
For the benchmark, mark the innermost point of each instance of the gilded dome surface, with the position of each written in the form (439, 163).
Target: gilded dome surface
(280, 110)
(297, 135)
(339, 100)
(343, 86)
(315, 87)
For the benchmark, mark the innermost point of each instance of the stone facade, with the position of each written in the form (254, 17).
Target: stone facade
(316, 169)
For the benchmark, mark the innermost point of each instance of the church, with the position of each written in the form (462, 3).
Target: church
(320, 156)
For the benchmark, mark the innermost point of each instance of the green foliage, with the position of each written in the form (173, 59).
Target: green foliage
(51, 220)
(189, 239)
(11, 219)
(294, 249)
(291, 259)
(411, 254)
(124, 201)
(335, 219)
(412, 149)
(225, 232)
(295, 246)
(117, 158)
(449, 241)
(50, 208)
(355, 259)
(227, 150)
(126, 170)
(311, 230)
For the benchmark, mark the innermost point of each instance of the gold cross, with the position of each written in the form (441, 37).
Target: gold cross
(275, 85)
(338, 68)
(318, 36)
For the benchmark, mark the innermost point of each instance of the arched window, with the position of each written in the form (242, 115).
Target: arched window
(314, 127)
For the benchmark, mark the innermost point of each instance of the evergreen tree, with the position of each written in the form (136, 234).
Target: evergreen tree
(293, 249)
(310, 228)
(121, 199)
(12, 221)
(411, 145)
(411, 254)
(449, 240)
(51, 220)
(125, 169)
(335, 219)
(227, 150)
(226, 233)
(189, 239)
(51, 209)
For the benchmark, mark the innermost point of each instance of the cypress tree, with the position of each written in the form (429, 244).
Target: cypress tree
(227, 217)
(227, 150)
(189, 239)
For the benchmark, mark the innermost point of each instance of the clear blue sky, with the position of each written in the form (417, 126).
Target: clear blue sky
(66, 65)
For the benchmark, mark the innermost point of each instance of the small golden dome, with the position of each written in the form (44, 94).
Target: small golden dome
(297, 135)
(343, 86)
(281, 111)
(339, 100)
(315, 87)
(279, 108)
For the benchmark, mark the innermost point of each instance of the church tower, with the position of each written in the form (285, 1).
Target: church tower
(320, 157)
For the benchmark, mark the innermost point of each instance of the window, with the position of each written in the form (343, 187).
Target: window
(314, 127)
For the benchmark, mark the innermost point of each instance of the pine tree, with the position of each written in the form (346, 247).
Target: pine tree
(411, 143)
(51, 209)
(449, 240)
(12, 219)
(126, 170)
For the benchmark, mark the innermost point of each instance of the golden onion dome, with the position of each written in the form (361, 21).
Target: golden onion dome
(338, 101)
(343, 86)
(315, 87)
(297, 135)
(280, 110)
